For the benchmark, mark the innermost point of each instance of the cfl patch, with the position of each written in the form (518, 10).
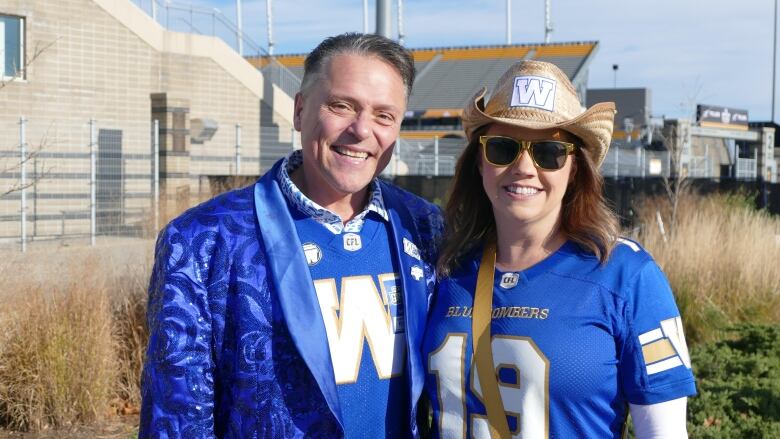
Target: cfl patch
(352, 242)
(534, 92)
(664, 348)
(509, 280)
(313, 253)
(411, 249)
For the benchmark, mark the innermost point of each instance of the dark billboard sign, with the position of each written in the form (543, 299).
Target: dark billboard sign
(721, 117)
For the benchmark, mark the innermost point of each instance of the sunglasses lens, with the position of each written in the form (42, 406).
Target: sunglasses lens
(549, 154)
(501, 151)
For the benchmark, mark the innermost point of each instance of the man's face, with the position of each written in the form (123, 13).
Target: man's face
(349, 121)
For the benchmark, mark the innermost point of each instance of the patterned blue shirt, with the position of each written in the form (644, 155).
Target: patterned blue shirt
(330, 220)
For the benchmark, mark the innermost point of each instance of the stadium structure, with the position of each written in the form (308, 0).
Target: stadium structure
(643, 145)
(447, 77)
(115, 114)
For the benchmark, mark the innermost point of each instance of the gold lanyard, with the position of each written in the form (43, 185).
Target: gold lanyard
(482, 348)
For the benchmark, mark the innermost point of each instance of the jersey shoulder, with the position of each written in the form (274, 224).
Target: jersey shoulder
(627, 260)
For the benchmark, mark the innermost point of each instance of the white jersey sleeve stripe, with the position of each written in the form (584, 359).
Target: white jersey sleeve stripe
(633, 245)
(664, 365)
(650, 336)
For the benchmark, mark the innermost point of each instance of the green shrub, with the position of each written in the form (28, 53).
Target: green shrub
(739, 385)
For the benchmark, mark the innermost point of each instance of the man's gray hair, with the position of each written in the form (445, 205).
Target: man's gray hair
(378, 46)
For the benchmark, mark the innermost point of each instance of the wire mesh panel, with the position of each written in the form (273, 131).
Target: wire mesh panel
(635, 162)
(109, 183)
(746, 169)
(699, 167)
(433, 156)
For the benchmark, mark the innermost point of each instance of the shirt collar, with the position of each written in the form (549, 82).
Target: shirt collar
(330, 220)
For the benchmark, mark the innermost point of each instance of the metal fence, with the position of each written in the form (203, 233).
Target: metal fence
(97, 180)
(746, 169)
(438, 156)
(635, 162)
(80, 184)
(432, 157)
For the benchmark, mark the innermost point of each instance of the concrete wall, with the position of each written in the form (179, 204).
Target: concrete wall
(104, 59)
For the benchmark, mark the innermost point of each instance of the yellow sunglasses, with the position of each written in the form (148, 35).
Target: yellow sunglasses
(549, 155)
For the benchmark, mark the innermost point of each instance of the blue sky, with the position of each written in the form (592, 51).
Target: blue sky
(717, 52)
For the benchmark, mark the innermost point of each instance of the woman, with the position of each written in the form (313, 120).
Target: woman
(582, 323)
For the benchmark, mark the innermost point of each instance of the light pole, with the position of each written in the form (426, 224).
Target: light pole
(614, 75)
(774, 62)
(269, 25)
(240, 30)
(508, 22)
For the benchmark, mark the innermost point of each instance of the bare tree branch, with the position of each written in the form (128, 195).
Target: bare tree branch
(34, 153)
(30, 156)
(40, 48)
(675, 139)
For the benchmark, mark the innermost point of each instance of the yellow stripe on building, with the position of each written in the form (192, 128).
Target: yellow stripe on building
(429, 134)
(484, 53)
(620, 135)
(462, 53)
(564, 50)
(726, 126)
(435, 113)
(425, 55)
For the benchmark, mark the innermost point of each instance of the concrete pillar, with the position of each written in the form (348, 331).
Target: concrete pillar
(173, 116)
(766, 163)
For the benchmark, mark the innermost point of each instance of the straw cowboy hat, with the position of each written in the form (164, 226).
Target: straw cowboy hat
(538, 95)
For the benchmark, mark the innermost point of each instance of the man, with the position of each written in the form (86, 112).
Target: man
(295, 307)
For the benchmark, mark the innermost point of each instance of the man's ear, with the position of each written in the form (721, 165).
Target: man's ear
(298, 108)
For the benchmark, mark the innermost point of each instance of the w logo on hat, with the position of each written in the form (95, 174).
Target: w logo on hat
(533, 91)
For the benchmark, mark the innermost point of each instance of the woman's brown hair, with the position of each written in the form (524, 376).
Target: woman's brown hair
(585, 216)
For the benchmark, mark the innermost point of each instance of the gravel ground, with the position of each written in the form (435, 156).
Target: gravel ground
(123, 427)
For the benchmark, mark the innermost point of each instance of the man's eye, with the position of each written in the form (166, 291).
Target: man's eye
(340, 107)
(386, 118)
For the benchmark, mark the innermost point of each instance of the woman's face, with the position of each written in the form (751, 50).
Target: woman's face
(523, 195)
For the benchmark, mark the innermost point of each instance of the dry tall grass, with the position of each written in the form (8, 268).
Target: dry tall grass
(71, 353)
(720, 259)
(73, 329)
(57, 365)
(73, 333)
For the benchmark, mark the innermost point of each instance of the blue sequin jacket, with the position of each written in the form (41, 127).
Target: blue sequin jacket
(238, 347)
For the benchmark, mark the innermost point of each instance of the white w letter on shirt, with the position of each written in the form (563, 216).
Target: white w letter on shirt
(360, 314)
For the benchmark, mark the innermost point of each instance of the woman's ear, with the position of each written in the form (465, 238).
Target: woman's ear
(573, 172)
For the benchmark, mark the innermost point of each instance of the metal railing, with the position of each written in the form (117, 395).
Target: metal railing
(438, 157)
(433, 157)
(635, 162)
(212, 22)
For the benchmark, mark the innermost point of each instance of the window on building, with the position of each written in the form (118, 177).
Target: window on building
(11, 46)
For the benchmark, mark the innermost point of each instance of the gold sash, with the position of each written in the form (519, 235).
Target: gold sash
(483, 349)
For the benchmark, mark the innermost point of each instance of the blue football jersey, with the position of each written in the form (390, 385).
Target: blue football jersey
(573, 343)
(362, 303)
